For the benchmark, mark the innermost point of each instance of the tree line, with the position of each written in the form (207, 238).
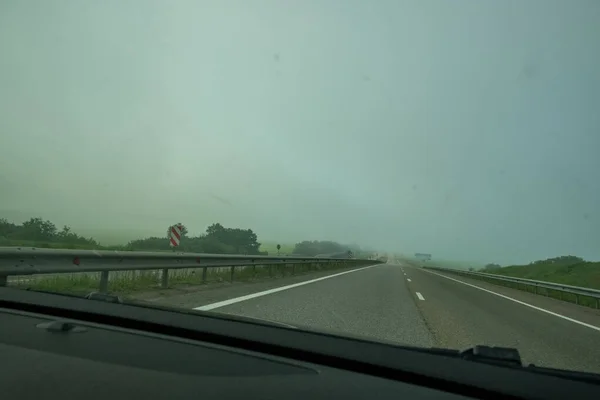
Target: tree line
(41, 232)
(217, 239)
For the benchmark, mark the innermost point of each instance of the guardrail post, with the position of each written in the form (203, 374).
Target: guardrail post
(293, 269)
(103, 281)
(577, 299)
(164, 282)
(3, 280)
(232, 269)
(204, 274)
(270, 271)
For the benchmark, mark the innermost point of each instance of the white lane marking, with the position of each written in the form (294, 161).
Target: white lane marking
(275, 290)
(521, 302)
(420, 296)
(408, 279)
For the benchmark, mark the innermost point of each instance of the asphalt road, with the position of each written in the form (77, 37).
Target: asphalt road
(417, 307)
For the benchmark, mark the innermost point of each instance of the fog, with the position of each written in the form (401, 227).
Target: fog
(465, 129)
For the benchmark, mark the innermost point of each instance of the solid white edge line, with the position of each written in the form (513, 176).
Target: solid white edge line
(420, 296)
(275, 290)
(521, 302)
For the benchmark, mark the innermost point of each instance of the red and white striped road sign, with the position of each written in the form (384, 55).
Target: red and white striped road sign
(176, 231)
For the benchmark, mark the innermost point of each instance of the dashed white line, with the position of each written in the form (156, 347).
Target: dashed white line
(519, 301)
(275, 290)
(420, 296)
(408, 279)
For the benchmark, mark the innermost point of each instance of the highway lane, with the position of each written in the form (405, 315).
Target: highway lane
(373, 302)
(460, 315)
(415, 307)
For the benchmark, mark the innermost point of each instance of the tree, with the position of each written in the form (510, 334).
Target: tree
(42, 233)
(37, 229)
(66, 231)
(243, 241)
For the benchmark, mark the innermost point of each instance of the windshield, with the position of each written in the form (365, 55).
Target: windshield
(407, 168)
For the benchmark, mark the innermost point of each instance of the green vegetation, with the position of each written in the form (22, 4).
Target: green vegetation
(326, 247)
(37, 232)
(217, 239)
(568, 270)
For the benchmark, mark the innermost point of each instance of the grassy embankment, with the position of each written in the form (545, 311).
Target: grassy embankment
(583, 274)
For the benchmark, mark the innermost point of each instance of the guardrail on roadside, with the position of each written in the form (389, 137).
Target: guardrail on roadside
(16, 261)
(575, 290)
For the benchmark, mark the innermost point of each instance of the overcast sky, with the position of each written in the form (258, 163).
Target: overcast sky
(465, 129)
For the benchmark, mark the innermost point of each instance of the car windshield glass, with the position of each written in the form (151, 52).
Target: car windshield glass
(419, 172)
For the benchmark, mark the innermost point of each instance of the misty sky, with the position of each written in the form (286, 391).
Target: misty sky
(465, 129)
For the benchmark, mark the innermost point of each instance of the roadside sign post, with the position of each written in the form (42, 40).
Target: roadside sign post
(175, 233)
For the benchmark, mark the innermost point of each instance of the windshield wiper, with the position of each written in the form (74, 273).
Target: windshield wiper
(110, 298)
(493, 355)
(510, 357)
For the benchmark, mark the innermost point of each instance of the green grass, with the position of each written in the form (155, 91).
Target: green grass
(128, 282)
(585, 274)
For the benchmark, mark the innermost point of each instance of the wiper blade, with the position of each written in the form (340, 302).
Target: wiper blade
(110, 298)
(510, 357)
(493, 355)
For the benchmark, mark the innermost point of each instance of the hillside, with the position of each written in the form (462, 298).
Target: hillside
(579, 273)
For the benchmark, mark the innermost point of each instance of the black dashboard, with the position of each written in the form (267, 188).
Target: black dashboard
(62, 347)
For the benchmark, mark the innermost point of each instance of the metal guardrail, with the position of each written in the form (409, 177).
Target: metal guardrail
(576, 290)
(15, 261)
